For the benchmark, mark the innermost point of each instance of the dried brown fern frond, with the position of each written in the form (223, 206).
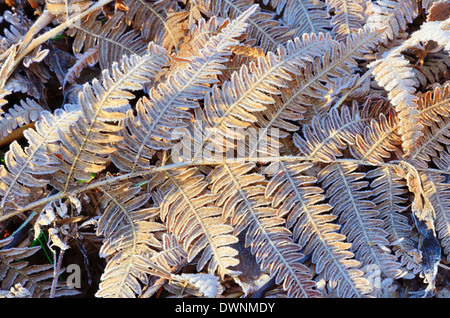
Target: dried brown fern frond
(190, 213)
(29, 169)
(348, 16)
(325, 138)
(295, 194)
(359, 216)
(166, 107)
(111, 39)
(85, 145)
(394, 73)
(241, 195)
(225, 148)
(303, 16)
(129, 240)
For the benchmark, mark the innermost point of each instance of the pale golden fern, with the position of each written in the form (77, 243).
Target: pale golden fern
(30, 168)
(324, 139)
(191, 215)
(241, 195)
(296, 194)
(348, 16)
(129, 240)
(112, 40)
(84, 146)
(358, 216)
(249, 90)
(166, 107)
(394, 73)
(225, 148)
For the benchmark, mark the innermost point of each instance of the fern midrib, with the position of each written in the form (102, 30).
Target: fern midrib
(391, 200)
(267, 238)
(174, 250)
(66, 3)
(322, 238)
(346, 14)
(201, 35)
(441, 104)
(335, 135)
(127, 176)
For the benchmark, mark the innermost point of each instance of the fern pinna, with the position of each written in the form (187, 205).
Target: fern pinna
(225, 148)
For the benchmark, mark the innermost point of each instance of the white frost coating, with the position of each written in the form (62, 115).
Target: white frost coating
(55, 240)
(16, 291)
(207, 284)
